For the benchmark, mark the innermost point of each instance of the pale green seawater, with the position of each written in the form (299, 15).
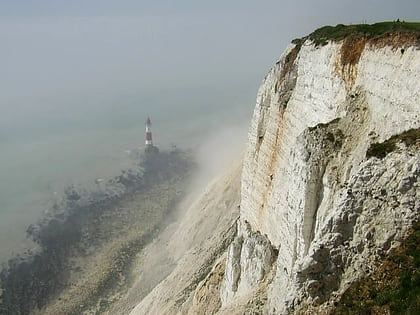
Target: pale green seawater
(36, 164)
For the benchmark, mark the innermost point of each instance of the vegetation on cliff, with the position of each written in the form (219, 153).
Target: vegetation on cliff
(381, 149)
(322, 35)
(393, 288)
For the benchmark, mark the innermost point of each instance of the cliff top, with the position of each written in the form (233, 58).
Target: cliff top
(322, 35)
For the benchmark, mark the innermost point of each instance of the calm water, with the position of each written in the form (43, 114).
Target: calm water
(37, 163)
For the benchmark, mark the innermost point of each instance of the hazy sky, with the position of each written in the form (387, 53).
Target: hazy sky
(63, 61)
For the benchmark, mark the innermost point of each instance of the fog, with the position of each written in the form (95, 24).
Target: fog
(79, 78)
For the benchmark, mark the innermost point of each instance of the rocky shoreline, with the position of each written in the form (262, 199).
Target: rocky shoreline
(89, 240)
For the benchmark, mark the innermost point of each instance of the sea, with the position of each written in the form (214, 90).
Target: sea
(41, 155)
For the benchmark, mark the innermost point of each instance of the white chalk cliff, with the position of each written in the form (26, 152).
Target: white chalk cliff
(317, 211)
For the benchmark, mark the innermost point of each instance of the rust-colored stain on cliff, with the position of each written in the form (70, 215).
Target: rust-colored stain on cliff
(351, 50)
(273, 157)
(397, 39)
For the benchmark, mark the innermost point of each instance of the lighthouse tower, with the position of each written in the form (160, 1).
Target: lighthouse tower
(150, 148)
(148, 141)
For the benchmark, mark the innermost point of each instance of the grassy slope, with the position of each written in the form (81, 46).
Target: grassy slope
(322, 35)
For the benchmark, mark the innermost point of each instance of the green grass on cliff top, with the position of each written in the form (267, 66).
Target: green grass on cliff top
(340, 31)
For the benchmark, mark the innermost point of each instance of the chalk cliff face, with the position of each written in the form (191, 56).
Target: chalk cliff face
(308, 186)
(330, 179)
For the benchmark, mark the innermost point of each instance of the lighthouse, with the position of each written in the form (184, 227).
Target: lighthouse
(148, 142)
(150, 148)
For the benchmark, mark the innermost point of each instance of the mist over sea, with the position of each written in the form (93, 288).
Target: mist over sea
(42, 155)
(76, 87)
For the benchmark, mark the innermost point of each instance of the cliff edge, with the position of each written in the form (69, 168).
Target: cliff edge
(330, 177)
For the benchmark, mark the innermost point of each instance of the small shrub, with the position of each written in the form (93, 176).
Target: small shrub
(380, 150)
(373, 293)
(340, 133)
(330, 136)
(338, 143)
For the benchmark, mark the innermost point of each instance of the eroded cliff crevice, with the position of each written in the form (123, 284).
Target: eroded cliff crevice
(249, 260)
(368, 222)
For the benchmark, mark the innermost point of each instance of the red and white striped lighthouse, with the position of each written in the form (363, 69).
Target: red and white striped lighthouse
(148, 141)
